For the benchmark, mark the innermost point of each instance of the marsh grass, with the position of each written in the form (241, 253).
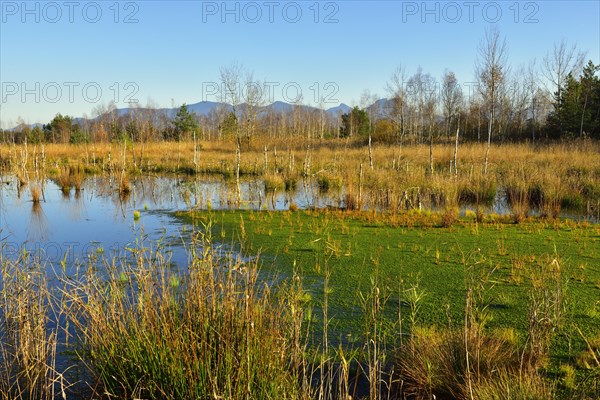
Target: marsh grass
(27, 341)
(475, 362)
(212, 332)
(21, 178)
(274, 183)
(221, 327)
(77, 176)
(36, 194)
(64, 180)
(124, 185)
(560, 176)
(547, 308)
(449, 217)
(518, 198)
(328, 181)
(432, 363)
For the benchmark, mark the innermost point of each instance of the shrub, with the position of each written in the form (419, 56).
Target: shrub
(213, 332)
(433, 363)
(449, 216)
(326, 182)
(273, 183)
(571, 201)
(290, 184)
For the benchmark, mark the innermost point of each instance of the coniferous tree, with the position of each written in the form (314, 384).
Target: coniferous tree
(183, 124)
(355, 123)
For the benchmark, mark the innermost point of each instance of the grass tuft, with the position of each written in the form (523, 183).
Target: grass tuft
(151, 332)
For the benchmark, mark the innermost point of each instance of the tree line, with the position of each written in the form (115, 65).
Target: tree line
(557, 99)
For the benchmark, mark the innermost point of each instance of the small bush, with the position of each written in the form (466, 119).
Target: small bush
(273, 183)
(213, 332)
(326, 182)
(433, 363)
(572, 201)
(290, 184)
(449, 216)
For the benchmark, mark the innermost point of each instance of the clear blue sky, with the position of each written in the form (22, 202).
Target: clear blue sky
(54, 56)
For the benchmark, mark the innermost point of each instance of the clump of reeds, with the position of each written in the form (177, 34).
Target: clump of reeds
(449, 217)
(450, 363)
(477, 192)
(351, 202)
(293, 206)
(36, 194)
(291, 183)
(474, 362)
(77, 176)
(124, 185)
(27, 342)
(273, 182)
(21, 179)
(518, 198)
(212, 332)
(546, 308)
(328, 181)
(505, 385)
(68, 177)
(64, 180)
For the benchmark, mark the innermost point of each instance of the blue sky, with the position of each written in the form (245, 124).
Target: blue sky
(71, 56)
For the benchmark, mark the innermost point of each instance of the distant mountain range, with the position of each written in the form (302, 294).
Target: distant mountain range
(205, 108)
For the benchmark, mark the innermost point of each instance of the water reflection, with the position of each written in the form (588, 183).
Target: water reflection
(96, 210)
(38, 230)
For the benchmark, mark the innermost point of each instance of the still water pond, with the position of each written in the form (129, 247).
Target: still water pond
(80, 221)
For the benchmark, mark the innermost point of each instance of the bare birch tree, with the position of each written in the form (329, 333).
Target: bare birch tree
(491, 70)
(397, 104)
(230, 93)
(564, 60)
(452, 102)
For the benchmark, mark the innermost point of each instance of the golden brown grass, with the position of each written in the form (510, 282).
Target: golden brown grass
(27, 342)
(552, 178)
(36, 194)
(211, 332)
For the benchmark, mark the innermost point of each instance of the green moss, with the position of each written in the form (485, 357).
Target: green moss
(357, 248)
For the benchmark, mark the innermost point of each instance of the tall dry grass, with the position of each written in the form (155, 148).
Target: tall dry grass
(475, 362)
(551, 178)
(217, 328)
(28, 341)
(212, 331)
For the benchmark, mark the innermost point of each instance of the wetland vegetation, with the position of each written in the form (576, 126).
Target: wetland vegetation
(312, 276)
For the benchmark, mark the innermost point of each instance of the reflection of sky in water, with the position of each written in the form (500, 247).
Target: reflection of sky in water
(80, 222)
(96, 216)
(77, 223)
